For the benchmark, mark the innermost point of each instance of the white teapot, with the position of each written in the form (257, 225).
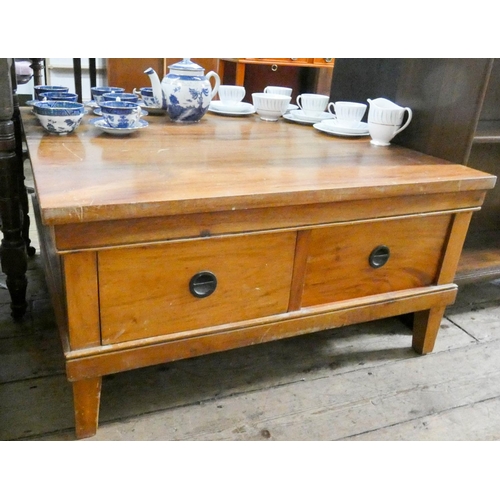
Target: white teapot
(185, 92)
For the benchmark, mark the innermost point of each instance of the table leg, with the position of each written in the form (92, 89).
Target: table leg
(425, 329)
(87, 398)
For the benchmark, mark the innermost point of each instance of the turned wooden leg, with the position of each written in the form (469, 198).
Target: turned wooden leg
(20, 155)
(425, 329)
(13, 249)
(87, 398)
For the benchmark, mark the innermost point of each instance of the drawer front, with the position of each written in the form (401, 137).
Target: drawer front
(145, 291)
(338, 265)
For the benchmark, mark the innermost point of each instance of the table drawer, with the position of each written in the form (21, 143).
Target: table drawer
(338, 265)
(145, 291)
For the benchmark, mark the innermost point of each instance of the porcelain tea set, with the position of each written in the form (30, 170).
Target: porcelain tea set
(186, 93)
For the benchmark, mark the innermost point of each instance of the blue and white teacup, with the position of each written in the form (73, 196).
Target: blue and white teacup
(39, 89)
(120, 96)
(98, 92)
(59, 117)
(59, 96)
(148, 97)
(121, 114)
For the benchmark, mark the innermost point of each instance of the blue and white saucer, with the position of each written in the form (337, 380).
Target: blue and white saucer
(153, 111)
(101, 124)
(91, 104)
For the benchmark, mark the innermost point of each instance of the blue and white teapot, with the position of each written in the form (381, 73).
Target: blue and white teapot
(185, 92)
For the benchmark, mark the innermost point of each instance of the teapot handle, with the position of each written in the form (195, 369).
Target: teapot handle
(215, 76)
(408, 120)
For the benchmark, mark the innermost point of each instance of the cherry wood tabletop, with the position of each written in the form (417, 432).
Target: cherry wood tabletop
(221, 163)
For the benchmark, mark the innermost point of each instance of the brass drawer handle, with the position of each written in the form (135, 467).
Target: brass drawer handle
(379, 256)
(203, 284)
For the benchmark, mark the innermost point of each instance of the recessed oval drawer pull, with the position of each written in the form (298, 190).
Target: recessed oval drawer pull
(203, 284)
(379, 256)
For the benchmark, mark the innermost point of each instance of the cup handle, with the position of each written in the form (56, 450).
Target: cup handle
(215, 76)
(298, 101)
(408, 120)
(331, 105)
(138, 113)
(265, 90)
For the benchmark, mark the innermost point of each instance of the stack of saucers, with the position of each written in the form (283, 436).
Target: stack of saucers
(335, 127)
(300, 116)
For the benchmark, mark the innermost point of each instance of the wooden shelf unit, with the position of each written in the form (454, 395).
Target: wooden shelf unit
(487, 132)
(302, 74)
(456, 116)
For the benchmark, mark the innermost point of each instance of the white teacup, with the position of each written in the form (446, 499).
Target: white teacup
(231, 94)
(312, 104)
(270, 107)
(278, 90)
(349, 114)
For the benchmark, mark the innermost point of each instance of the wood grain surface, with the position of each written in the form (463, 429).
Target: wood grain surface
(221, 163)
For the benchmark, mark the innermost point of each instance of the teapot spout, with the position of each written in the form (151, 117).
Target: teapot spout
(156, 86)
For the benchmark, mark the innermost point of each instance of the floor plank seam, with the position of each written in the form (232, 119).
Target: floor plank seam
(44, 435)
(420, 417)
(462, 329)
(36, 377)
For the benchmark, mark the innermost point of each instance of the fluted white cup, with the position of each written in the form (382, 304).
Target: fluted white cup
(348, 114)
(270, 107)
(231, 94)
(273, 89)
(312, 104)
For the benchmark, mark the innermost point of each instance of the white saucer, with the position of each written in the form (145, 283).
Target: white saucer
(336, 130)
(102, 125)
(359, 128)
(242, 108)
(299, 117)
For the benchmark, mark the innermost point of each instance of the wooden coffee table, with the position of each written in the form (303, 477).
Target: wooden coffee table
(182, 240)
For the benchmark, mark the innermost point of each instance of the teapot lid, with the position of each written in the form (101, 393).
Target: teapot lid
(186, 65)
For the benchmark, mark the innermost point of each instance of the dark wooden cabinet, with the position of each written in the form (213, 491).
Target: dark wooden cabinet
(456, 116)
